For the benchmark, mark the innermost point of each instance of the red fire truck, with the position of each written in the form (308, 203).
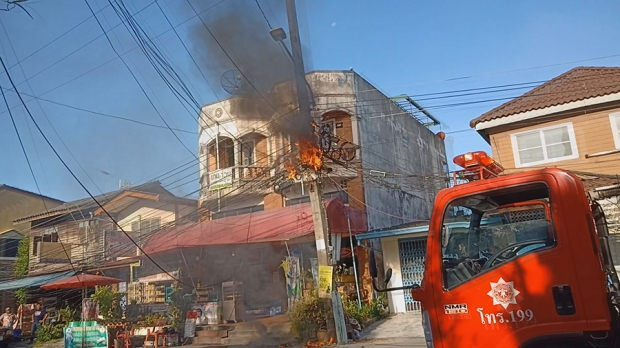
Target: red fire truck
(531, 269)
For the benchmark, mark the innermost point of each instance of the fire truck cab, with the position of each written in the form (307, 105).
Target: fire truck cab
(532, 269)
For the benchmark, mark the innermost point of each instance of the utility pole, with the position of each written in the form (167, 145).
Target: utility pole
(298, 61)
(319, 215)
(321, 237)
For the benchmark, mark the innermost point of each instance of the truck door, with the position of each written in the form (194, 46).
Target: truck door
(503, 277)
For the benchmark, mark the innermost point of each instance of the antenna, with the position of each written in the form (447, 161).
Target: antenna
(233, 82)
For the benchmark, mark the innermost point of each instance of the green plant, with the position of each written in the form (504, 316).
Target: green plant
(109, 302)
(66, 314)
(21, 296)
(21, 268)
(174, 316)
(153, 319)
(308, 316)
(373, 310)
(180, 302)
(23, 258)
(46, 333)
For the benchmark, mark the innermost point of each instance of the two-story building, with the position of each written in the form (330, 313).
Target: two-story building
(570, 122)
(80, 234)
(15, 203)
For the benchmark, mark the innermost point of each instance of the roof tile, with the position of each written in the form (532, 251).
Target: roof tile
(574, 85)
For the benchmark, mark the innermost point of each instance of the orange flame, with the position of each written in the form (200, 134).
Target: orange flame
(310, 154)
(292, 171)
(319, 344)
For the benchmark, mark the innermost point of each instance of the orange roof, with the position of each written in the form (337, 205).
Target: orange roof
(577, 84)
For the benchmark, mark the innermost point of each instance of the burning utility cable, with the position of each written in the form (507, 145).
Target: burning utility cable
(310, 157)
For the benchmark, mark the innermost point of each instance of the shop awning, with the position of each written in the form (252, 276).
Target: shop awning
(265, 226)
(393, 232)
(34, 281)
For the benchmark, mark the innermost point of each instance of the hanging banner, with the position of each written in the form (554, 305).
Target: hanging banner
(190, 327)
(86, 334)
(90, 309)
(325, 281)
(314, 264)
(292, 273)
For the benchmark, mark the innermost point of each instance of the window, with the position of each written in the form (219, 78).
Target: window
(225, 151)
(146, 225)
(615, 127)
(49, 235)
(8, 247)
(241, 211)
(485, 231)
(545, 145)
(247, 152)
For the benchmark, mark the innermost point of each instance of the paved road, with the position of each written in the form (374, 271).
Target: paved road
(400, 330)
(389, 343)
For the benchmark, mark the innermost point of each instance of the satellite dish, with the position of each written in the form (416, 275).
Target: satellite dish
(233, 82)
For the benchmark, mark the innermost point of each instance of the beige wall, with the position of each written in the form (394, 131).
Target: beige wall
(593, 134)
(15, 204)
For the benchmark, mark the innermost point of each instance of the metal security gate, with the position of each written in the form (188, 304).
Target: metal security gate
(412, 257)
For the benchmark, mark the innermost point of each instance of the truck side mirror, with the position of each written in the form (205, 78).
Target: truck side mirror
(388, 276)
(372, 264)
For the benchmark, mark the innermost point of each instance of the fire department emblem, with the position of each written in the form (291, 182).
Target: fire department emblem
(503, 293)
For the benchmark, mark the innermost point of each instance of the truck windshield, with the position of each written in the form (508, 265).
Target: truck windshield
(485, 230)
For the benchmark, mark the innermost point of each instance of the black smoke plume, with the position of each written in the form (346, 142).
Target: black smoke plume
(245, 62)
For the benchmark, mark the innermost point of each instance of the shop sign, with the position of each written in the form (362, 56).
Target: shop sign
(220, 179)
(325, 281)
(159, 277)
(86, 334)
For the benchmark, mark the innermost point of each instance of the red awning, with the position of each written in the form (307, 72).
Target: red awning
(264, 226)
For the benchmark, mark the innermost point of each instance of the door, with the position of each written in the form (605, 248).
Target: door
(412, 257)
(508, 276)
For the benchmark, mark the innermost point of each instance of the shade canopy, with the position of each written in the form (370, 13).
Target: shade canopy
(34, 281)
(79, 281)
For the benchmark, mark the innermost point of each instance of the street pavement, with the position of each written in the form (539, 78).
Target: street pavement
(396, 331)
(400, 330)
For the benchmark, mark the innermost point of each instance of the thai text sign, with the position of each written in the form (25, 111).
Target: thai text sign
(86, 334)
(220, 179)
(325, 281)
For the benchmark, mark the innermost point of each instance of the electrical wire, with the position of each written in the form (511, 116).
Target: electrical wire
(36, 182)
(65, 164)
(136, 80)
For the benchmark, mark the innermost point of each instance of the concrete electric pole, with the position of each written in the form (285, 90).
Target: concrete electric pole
(319, 215)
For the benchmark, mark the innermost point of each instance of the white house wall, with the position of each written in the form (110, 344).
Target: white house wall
(391, 259)
(149, 210)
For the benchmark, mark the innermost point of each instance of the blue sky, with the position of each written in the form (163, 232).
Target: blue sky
(411, 47)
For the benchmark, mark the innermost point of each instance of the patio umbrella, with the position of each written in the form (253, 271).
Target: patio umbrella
(80, 281)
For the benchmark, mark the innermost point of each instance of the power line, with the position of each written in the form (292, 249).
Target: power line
(136, 80)
(59, 37)
(261, 11)
(69, 169)
(21, 144)
(102, 114)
